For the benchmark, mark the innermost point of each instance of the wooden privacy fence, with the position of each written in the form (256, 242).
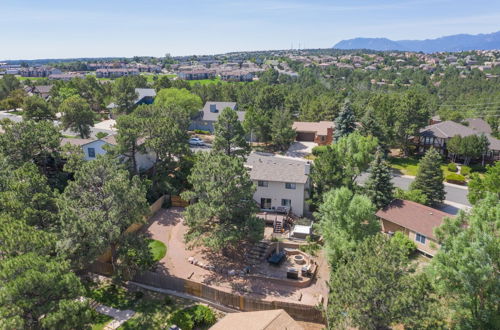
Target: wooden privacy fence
(177, 201)
(153, 208)
(299, 312)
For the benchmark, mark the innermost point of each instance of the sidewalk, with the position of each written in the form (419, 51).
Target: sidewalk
(119, 316)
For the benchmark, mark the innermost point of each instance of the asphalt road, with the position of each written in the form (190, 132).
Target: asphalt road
(18, 118)
(454, 194)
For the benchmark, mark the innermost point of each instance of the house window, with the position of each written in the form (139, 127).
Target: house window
(420, 238)
(286, 202)
(265, 203)
(91, 152)
(290, 185)
(263, 183)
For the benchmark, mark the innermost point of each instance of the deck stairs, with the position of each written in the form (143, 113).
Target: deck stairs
(257, 253)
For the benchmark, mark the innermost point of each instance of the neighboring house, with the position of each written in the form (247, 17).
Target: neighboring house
(65, 76)
(281, 183)
(276, 319)
(437, 135)
(237, 75)
(207, 117)
(144, 96)
(116, 73)
(92, 148)
(42, 91)
(196, 74)
(415, 220)
(318, 132)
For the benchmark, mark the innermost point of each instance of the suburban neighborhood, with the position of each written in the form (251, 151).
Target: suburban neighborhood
(346, 187)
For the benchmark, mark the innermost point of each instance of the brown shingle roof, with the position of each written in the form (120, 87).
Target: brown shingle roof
(413, 216)
(276, 319)
(320, 128)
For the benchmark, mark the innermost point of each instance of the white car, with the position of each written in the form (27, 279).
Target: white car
(196, 142)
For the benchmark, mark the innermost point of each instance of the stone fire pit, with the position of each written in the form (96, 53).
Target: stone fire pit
(299, 259)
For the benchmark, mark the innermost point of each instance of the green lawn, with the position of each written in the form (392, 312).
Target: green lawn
(30, 78)
(206, 81)
(158, 249)
(406, 166)
(409, 166)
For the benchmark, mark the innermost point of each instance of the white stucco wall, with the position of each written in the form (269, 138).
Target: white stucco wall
(276, 191)
(98, 147)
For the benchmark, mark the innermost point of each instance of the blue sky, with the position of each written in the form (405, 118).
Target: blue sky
(32, 29)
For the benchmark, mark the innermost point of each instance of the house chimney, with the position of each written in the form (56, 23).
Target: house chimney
(213, 108)
(307, 168)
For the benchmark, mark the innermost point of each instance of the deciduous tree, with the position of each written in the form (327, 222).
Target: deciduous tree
(187, 102)
(489, 183)
(342, 163)
(37, 109)
(345, 219)
(466, 267)
(77, 115)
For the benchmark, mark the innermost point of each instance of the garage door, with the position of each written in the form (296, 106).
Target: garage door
(304, 136)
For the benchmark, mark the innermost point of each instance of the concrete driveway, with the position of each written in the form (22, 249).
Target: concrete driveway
(300, 149)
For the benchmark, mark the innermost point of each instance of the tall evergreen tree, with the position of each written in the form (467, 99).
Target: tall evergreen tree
(430, 178)
(379, 186)
(96, 208)
(345, 123)
(376, 288)
(230, 135)
(223, 214)
(282, 133)
(39, 292)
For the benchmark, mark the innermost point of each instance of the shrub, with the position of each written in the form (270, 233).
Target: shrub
(452, 167)
(414, 195)
(465, 170)
(318, 150)
(404, 243)
(101, 135)
(455, 178)
(191, 317)
(200, 131)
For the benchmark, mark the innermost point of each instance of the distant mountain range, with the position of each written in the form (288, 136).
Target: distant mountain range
(454, 43)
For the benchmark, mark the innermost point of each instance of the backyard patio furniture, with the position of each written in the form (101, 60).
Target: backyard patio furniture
(277, 258)
(292, 273)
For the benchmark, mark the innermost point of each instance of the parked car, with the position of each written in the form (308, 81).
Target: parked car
(196, 142)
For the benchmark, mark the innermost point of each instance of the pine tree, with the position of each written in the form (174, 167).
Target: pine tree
(345, 122)
(229, 134)
(430, 178)
(282, 133)
(379, 186)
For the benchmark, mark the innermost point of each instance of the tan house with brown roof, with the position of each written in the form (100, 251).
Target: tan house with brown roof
(417, 221)
(318, 132)
(276, 319)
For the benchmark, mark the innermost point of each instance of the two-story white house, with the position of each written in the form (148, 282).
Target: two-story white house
(94, 147)
(281, 183)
